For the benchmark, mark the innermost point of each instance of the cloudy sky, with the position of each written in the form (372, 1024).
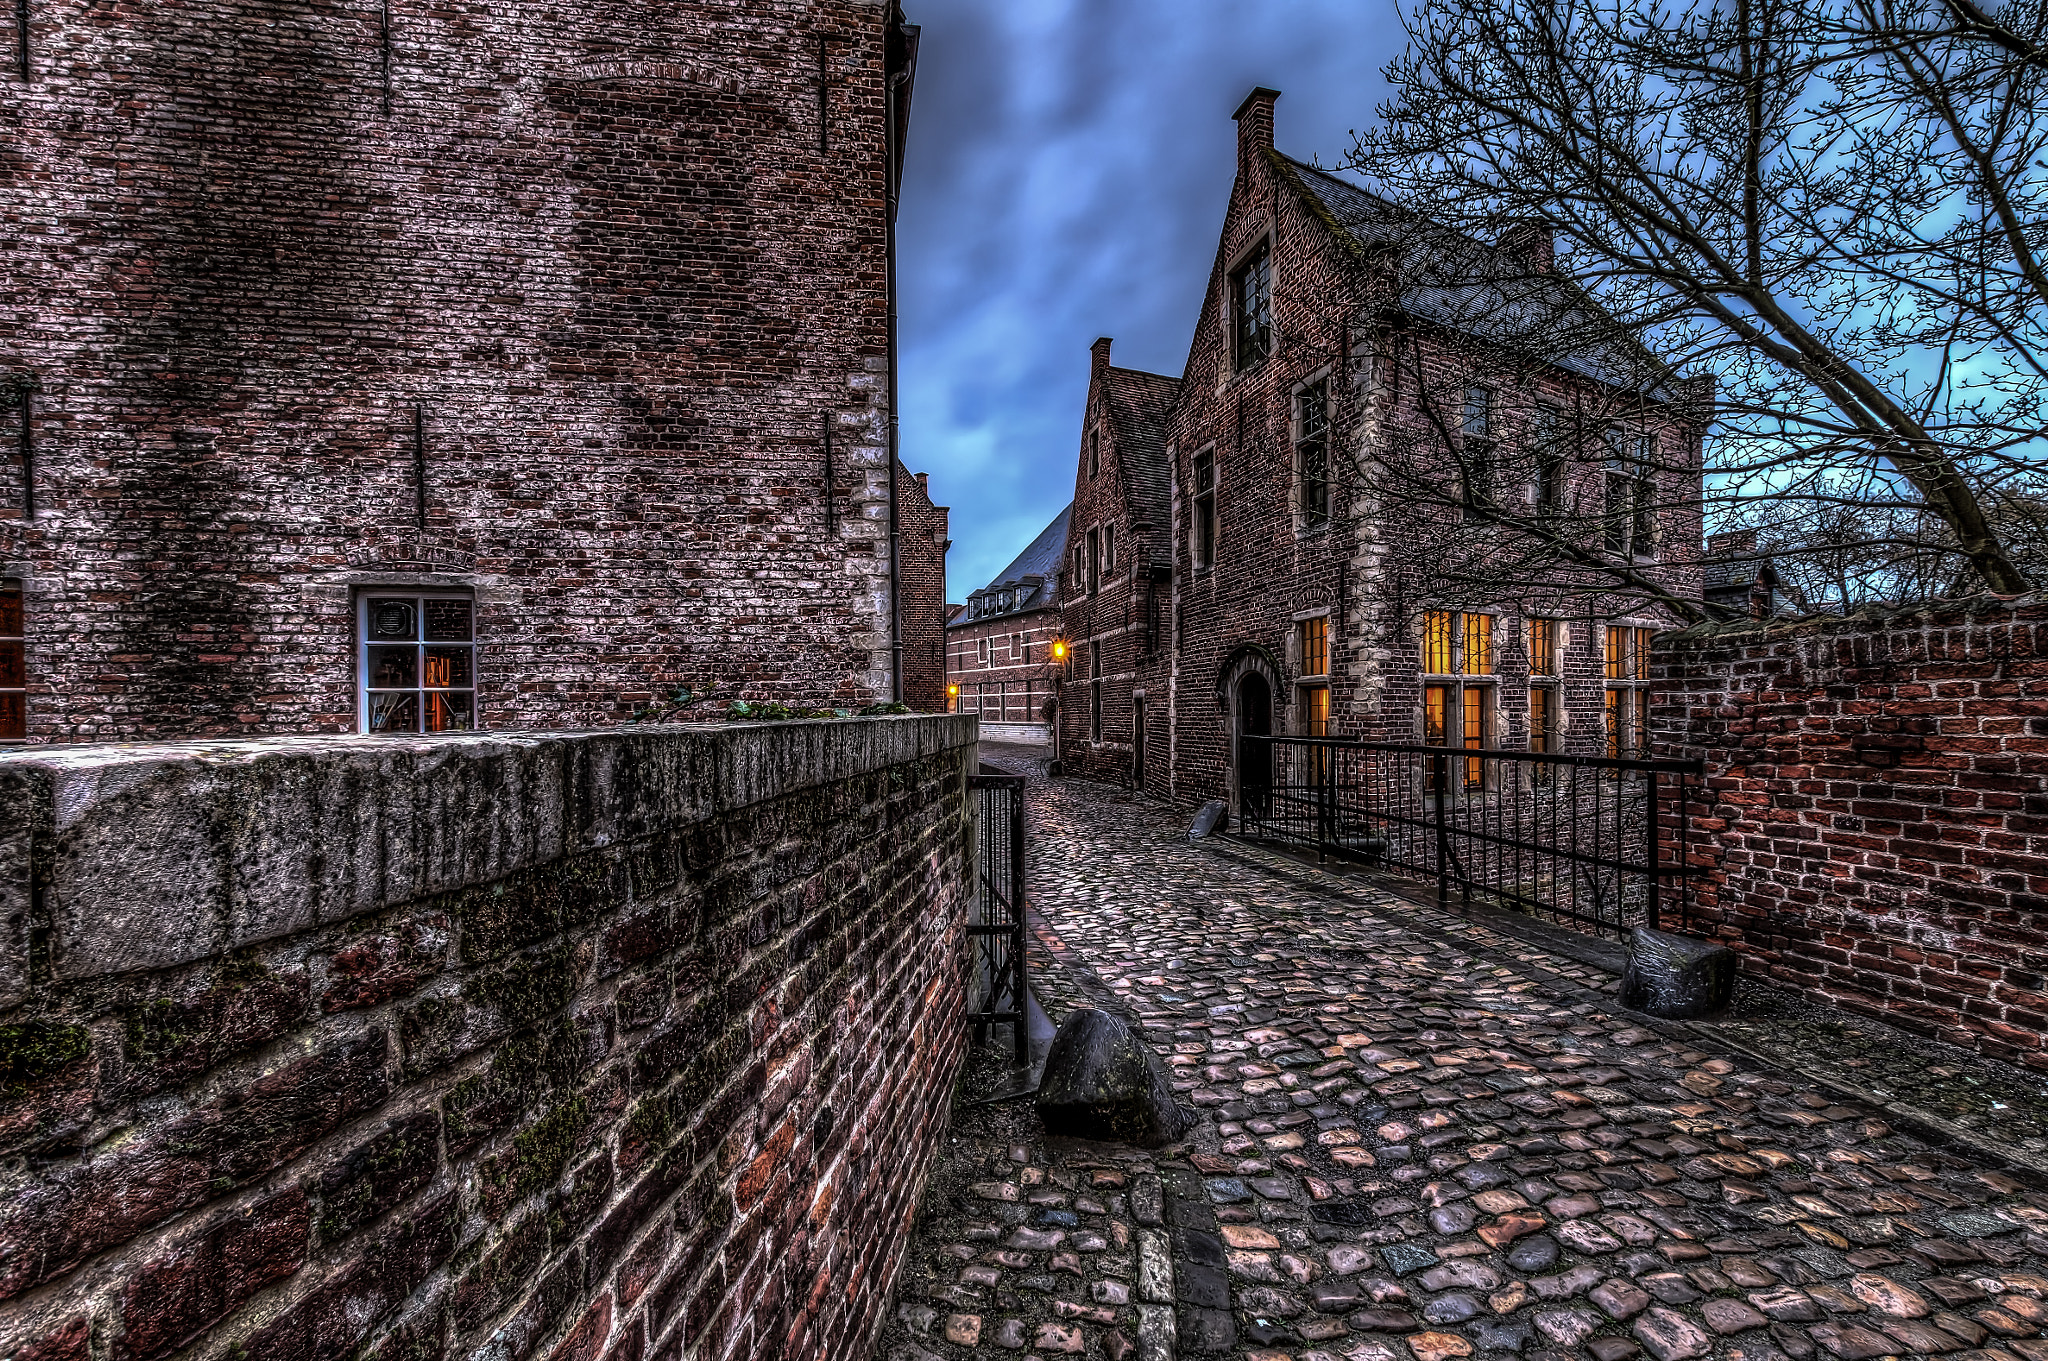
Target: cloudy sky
(1069, 161)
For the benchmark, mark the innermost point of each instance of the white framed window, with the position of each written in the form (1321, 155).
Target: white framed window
(415, 661)
(1458, 689)
(1625, 656)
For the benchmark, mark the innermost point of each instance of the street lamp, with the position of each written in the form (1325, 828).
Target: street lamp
(953, 696)
(1059, 649)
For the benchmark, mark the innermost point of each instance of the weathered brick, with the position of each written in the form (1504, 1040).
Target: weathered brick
(168, 1302)
(379, 1174)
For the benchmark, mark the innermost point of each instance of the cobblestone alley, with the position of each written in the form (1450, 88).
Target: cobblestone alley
(1424, 1140)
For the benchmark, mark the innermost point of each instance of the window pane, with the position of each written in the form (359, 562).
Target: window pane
(1319, 712)
(1436, 642)
(10, 611)
(1205, 472)
(393, 712)
(393, 668)
(1617, 654)
(447, 666)
(451, 711)
(447, 621)
(1479, 645)
(1643, 653)
(1614, 722)
(1542, 647)
(1436, 700)
(391, 620)
(13, 663)
(1315, 647)
(13, 716)
(1478, 412)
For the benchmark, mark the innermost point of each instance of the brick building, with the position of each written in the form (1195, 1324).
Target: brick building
(379, 368)
(1283, 590)
(999, 647)
(921, 545)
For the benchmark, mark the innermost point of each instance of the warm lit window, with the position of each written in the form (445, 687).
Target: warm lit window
(1251, 294)
(418, 662)
(1204, 548)
(1317, 710)
(1543, 727)
(1315, 646)
(1543, 647)
(1312, 452)
(1626, 656)
(1544, 701)
(13, 664)
(1457, 694)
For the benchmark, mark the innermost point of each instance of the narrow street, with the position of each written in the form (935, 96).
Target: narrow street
(1423, 1139)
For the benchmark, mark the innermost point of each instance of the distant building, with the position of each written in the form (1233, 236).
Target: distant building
(921, 588)
(1226, 576)
(999, 648)
(1741, 583)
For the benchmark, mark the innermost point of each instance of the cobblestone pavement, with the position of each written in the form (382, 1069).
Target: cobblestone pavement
(1425, 1140)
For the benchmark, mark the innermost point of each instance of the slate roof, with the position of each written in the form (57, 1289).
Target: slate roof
(1140, 404)
(1041, 559)
(1477, 288)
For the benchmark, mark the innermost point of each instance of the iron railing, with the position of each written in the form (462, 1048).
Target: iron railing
(995, 931)
(1597, 841)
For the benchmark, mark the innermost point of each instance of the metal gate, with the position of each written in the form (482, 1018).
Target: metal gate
(995, 930)
(1595, 841)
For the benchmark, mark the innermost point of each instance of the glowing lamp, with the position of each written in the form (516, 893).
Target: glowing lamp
(1059, 649)
(952, 692)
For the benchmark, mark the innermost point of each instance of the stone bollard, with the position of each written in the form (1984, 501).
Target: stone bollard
(1678, 978)
(1211, 818)
(1102, 1081)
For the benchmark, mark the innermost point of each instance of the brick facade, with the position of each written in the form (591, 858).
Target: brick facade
(1243, 616)
(553, 306)
(999, 647)
(921, 587)
(1875, 826)
(328, 1050)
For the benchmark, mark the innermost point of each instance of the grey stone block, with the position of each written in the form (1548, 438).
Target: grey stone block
(1677, 977)
(1211, 818)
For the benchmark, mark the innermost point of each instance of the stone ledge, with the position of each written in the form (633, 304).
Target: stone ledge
(154, 855)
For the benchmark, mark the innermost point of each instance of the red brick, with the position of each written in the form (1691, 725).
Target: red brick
(172, 1300)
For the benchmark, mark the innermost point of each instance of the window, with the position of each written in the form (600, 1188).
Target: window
(1095, 692)
(1205, 510)
(1317, 710)
(1630, 509)
(1312, 452)
(1094, 561)
(418, 662)
(1109, 550)
(1080, 567)
(13, 664)
(1627, 659)
(1547, 492)
(1315, 646)
(1476, 429)
(1457, 690)
(982, 649)
(1251, 295)
(1543, 687)
(1095, 451)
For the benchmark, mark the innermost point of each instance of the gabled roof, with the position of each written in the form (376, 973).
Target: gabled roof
(1475, 287)
(1040, 561)
(1140, 404)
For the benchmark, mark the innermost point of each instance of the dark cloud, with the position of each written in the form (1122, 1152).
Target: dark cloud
(1068, 168)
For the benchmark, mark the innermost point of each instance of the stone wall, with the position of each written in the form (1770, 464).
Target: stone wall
(1875, 821)
(631, 1046)
(548, 305)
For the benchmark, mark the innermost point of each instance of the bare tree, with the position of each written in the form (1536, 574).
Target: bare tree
(1836, 209)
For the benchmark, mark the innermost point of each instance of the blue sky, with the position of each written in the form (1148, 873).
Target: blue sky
(1068, 166)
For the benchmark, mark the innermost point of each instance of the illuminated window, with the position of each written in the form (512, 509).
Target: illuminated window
(1457, 694)
(1543, 647)
(1543, 733)
(1626, 662)
(1315, 646)
(1312, 452)
(1251, 294)
(417, 662)
(1204, 547)
(13, 664)
(1544, 700)
(1318, 711)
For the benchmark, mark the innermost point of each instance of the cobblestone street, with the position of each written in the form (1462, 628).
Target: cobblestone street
(1424, 1139)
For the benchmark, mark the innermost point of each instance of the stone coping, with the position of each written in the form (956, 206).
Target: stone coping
(152, 855)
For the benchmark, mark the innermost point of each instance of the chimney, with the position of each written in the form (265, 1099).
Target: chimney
(1254, 124)
(921, 487)
(1530, 241)
(1100, 349)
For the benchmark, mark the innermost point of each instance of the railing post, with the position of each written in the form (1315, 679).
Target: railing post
(1440, 776)
(1022, 1027)
(1650, 788)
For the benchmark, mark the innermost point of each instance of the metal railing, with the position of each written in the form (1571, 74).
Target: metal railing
(995, 929)
(1596, 841)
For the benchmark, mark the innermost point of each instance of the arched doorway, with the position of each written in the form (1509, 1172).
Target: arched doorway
(1254, 759)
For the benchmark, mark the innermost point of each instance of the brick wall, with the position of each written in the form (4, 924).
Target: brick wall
(604, 249)
(921, 584)
(628, 1046)
(1875, 821)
